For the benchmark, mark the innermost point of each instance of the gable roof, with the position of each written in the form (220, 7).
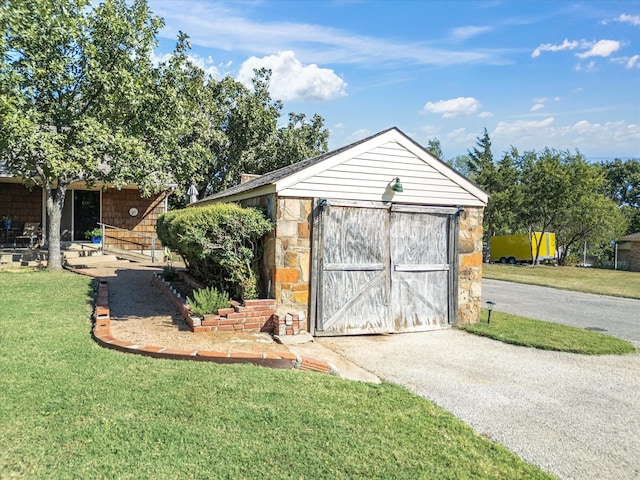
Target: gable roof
(360, 171)
(634, 237)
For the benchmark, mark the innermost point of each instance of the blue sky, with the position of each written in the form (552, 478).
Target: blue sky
(560, 74)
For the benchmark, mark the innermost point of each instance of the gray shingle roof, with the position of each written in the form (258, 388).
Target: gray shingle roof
(634, 237)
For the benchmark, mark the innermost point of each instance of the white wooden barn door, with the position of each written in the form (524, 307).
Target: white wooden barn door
(420, 270)
(383, 269)
(354, 276)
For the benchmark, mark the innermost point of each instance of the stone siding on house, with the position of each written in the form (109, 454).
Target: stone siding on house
(470, 265)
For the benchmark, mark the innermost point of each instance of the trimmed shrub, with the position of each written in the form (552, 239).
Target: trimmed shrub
(219, 244)
(208, 300)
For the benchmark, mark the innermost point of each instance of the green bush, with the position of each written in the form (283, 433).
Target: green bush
(169, 273)
(208, 300)
(219, 243)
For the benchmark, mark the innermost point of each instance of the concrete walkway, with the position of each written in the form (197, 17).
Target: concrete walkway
(132, 294)
(577, 417)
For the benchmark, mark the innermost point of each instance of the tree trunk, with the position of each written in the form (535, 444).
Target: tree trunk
(54, 202)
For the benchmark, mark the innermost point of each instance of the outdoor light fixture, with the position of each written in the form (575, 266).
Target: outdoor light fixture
(490, 307)
(397, 186)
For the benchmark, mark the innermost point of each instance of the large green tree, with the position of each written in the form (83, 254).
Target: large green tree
(435, 148)
(623, 187)
(550, 190)
(248, 137)
(561, 194)
(80, 99)
(482, 170)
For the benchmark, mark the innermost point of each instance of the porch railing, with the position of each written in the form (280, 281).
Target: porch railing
(151, 240)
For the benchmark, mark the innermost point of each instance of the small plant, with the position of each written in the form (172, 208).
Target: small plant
(208, 300)
(93, 233)
(169, 273)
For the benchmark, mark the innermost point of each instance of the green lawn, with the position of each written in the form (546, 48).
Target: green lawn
(546, 335)
(588, 280)
(70, 409)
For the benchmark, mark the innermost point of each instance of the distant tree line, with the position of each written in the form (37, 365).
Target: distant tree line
(554, 191)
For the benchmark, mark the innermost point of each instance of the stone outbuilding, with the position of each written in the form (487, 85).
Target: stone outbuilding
(375, 237)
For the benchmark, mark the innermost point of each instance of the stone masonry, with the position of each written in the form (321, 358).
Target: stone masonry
(470, 265)
(286, 263)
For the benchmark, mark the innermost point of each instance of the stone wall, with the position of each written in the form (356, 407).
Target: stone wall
(286, 262)
(470, 265)
(287, 249)
(291, 278)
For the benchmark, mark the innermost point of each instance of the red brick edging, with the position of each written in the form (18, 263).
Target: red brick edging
(102, 334)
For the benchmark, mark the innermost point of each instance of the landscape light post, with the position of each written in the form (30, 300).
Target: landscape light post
(490, 307)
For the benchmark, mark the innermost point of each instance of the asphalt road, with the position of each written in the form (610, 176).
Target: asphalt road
(619, 317)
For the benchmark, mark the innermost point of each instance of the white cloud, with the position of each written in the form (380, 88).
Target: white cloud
(454, 108)
(464, 33)
(537, 106)
(522, 125)
(625, 18)
(545, 99)
(359, 135)
(485, 114)
(593, 139)
(206, 64)
(227, 26)
(430, 130)
(461, 137)
(629, 62)
(291, 80)
(589, 67)
(549, 47)
(602, 48)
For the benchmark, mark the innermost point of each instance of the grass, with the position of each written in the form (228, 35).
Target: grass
(588, 280)
(70, 409)
(547, 336)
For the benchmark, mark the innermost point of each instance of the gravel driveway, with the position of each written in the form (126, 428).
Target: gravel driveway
(577, 417)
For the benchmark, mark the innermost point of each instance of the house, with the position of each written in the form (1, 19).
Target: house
(376, 237)
(629, 251)
(132, 217)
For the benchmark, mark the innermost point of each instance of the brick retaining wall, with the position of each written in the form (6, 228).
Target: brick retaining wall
(102, 334)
